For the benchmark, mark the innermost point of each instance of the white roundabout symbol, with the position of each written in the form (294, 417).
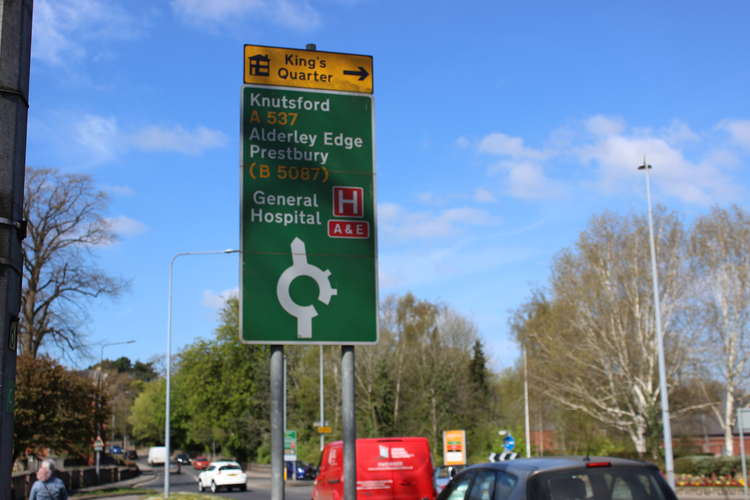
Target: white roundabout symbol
(300, 267)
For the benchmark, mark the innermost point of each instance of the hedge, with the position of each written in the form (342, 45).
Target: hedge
(708, 466)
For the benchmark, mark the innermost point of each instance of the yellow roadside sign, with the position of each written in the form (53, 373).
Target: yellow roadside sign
(324, 429)
(311, 69)
(454, 447)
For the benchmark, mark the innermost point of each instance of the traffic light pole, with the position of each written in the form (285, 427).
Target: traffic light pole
(15, 55)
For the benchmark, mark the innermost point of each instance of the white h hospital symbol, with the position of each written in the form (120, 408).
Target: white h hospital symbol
(348, 201)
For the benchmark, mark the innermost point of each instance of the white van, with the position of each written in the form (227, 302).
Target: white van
(157, 455)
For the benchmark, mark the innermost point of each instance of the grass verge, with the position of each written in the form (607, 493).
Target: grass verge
(183, 496)
(113, 492)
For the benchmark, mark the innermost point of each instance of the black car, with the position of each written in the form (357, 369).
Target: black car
(183, 459)
(560, 478)
(131, 455)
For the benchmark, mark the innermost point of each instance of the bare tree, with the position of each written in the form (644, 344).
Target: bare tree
(591, 339)
(720, 251)
(65, 224)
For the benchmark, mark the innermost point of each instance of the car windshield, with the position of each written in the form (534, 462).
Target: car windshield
(610, 483)
(229, 467)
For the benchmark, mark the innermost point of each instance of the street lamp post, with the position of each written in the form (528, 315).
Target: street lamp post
(99, 398)
(169, 359)
(526, 425)
(659, 338)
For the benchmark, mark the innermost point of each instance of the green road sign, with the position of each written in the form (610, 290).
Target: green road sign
(290, 445)
(308, 218)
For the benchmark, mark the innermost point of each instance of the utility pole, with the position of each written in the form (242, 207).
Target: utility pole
(15, 57)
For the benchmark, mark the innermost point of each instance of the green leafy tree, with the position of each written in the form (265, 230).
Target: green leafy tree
(231, 408)
(417, 380)
(122, 381)
(147, 414)
(478, 367)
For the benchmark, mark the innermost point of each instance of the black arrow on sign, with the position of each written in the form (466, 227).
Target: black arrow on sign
(362, 73)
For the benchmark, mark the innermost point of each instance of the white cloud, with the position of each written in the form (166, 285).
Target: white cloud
(70, 30)
(178, 140)
(215, 10)
(617, 156)
(100, 136)
(678, 132)
(699, 174)
(102, 139)
(501, 144)
(527, 180)
(603, 126)
(463, 142)
(739, 131)
(296, 14)
(482, 195)
(388, 210)
(216, 300)
(126, 226)
(397, 221)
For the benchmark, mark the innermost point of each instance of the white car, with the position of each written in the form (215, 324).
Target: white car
(225, 474)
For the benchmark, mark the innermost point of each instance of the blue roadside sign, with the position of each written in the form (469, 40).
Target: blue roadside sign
(509, 442)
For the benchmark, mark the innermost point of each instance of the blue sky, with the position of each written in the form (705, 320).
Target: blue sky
(501, 128)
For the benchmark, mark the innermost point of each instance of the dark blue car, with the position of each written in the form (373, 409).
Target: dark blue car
(560, 478)
(299, 470)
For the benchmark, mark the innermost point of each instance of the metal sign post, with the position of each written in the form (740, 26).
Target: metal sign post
(98, 447)
(743, 423)
(277, 423)
(348, 408)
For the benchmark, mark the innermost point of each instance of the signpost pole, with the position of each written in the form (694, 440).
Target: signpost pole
(322, 406)
(98, 452)
(277, 422)
(740, 425)
(349, 422)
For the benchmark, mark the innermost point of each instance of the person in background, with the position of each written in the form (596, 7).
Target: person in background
(47, 486)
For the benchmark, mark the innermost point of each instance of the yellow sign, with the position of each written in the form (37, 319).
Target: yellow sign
(454, 447)
(310, 69)
(324, 429)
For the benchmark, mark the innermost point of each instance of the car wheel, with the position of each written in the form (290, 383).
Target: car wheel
(200, 486)
(214, 488)
(243, 487)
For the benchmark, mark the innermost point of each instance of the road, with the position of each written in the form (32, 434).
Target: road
(258, 486)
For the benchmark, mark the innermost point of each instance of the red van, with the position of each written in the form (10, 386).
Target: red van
(387, 469)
